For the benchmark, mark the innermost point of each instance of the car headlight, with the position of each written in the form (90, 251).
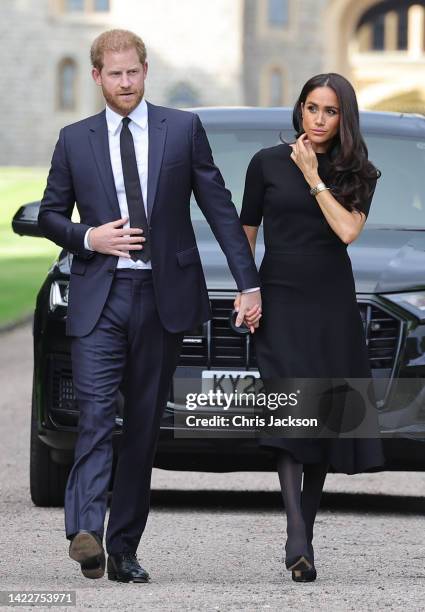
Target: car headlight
(413, 302)
(58, 294)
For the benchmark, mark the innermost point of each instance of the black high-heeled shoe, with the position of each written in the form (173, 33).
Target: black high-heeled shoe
(298, 563)
(307, 575)
(304, 575)
(301, 560)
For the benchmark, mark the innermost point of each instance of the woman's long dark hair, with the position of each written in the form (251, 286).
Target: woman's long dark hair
(352, 176)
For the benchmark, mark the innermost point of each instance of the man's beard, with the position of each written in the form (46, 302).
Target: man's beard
(117, 102)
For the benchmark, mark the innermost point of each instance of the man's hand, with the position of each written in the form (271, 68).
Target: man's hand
(248, 307)
(112, 239)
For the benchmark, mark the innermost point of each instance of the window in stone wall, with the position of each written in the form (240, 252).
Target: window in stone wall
(276, 87)
(87, 6)
(386, 25)
(183, 95)
(101, 5)
(277, 13)
(402, 28)
(67, 84)
(378, 33)
(74, 5)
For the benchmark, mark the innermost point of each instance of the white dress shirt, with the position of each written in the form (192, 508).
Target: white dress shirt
(138, 127)
(139, 130)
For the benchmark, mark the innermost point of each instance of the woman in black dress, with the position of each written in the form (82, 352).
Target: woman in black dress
(313, 197)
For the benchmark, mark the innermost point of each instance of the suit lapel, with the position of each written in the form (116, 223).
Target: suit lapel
(98, 136)
(157, 127)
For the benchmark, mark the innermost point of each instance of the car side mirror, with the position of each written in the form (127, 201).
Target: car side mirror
(25, 220)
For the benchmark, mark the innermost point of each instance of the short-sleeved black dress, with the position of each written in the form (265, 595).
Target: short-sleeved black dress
(311, 325)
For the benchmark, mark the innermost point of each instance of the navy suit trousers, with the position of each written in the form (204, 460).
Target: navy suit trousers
(129, 347)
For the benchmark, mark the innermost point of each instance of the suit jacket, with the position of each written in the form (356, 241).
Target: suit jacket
(179, 162)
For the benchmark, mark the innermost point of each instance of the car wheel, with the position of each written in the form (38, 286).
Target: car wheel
(47, 478)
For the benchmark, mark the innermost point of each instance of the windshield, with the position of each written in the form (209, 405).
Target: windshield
(399, 199)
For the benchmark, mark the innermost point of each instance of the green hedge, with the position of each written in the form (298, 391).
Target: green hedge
(23, 261)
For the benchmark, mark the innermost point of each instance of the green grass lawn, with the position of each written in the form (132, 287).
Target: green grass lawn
(23, 261)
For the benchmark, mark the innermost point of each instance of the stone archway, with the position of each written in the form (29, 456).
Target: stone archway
(406, 94)
(384, 79)
(412, 101)
(341, 18)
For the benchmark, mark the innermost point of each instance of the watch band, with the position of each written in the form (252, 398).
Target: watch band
(319, 187)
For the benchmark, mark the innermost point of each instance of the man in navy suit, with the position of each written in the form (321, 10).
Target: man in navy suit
(136, 286)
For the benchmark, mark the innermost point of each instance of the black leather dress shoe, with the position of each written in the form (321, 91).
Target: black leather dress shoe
(124, 567)
(86, 548)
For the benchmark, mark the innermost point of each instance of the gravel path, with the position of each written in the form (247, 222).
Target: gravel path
(215, 542)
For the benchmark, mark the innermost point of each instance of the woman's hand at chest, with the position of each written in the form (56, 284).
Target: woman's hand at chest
(346, 224)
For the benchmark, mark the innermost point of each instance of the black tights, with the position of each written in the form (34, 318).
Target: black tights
(301, 505)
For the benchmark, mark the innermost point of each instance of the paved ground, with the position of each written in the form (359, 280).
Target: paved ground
(215, 542)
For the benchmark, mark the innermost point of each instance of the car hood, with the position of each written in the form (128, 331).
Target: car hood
(384, 259)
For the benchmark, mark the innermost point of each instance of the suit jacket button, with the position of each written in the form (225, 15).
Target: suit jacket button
(110, 270)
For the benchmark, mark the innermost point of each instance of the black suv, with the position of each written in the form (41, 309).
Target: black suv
(389, 268)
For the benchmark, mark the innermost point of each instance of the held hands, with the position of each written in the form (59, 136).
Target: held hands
(304, 156)
(112, 239)
(248, 307)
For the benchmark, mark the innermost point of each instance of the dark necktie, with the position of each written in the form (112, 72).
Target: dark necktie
(133, 190)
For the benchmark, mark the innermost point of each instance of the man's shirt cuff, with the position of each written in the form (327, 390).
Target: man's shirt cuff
(250, 290)
(86, 240)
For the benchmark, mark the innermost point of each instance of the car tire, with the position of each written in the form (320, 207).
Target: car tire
(47, 478)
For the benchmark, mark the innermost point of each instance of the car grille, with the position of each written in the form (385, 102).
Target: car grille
(63, 404)
(195, 347)
(382, 337)
(228, 349)
(216, 345)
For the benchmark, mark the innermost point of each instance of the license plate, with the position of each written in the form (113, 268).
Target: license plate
(230, 381)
